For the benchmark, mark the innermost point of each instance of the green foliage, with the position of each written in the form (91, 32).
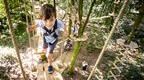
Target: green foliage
(3, 75)
(8, 59)
(2, 11)
(4, 70)
(18, 20)
(97, 36)
(134, 71)
(20, 32)
(91, 47)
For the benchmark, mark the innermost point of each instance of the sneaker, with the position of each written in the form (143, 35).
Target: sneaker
(43, 57)
(50, 69)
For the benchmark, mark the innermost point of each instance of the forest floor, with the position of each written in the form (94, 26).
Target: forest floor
(10, 69)
(83, 58)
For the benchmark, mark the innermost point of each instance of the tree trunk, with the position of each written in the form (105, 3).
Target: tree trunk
(77, 44)
(54, 3)
(13, 37)
(87, 19)
(74, 56)
(136, 24)
(80, 11)
(70, 15)
(81, 30)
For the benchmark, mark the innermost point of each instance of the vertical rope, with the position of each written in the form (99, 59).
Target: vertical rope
(29, 38)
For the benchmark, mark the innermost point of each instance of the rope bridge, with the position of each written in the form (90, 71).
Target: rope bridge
(42, 68)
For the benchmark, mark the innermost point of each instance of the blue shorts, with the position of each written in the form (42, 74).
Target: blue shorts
(50, 47)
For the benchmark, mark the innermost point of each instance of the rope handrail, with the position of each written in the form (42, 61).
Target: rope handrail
(73, 39)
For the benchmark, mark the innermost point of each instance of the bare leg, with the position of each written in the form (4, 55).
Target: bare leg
(50, 68)
(50, 58)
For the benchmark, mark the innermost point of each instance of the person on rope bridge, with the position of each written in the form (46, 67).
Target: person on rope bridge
(50, 28)
(68, 45)
(75, 28)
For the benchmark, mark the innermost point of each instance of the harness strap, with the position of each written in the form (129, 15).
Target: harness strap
(50, 32)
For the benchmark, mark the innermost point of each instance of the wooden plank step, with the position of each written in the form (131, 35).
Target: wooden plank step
(42, 72)
(44, 75)
(40, 67)
(48, 76)
(57, 76)
(40, 76)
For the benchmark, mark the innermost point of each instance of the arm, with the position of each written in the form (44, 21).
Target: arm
(64, 33)
(31, 28)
